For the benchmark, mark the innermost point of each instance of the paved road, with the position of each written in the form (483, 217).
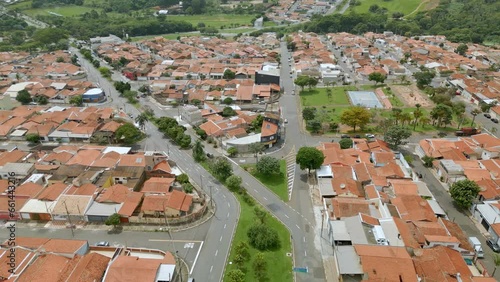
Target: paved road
(218, 237)
(446, 202)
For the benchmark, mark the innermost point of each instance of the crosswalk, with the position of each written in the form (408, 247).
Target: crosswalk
(290, 170)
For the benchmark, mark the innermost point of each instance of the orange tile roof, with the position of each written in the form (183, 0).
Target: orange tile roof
(90, 267)
(48, 267)
(130, 268)
(12, 156)
(157, 185)
(414, 208)
(64, 246)
(87, 189)
(134, 160)
(29, 189)
(117, 193)
(163, 166)
(84, 157)
(440, 263)
(346, 207)
(131, 203)
(52, 192)
(378, 263)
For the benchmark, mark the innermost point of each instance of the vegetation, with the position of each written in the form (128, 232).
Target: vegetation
(276, 182)
(76, 101)
(32, 138)
(233, 152)
(310, 158)
(396, 136)
(234, 182)
(113, 220)
(128, 134)
(221, 168)
(428, 161)
(376, 77)
(464, 192)
(198, 151)
(345, 143)
(263, 238)
(355, 116)
(24, 97)
(268, 166)
(171, 129)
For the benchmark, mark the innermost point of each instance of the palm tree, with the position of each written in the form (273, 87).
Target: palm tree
(417, 114)
(396, 114)
(474, 113)
(141, 120)
(425, 121)
(405, 118)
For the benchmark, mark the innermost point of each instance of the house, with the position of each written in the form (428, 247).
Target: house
(19, 171)
(174, 204)
(132, 268)
(71, 208)
(157, 185)
(114, 199)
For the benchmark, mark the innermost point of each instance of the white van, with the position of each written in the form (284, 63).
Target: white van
(477, 246)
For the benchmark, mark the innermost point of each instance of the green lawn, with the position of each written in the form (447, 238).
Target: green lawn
(275, 183)
(238, 30)
(66, 11)
(319, 97)
(279, 266)
(395, 102)
(404, 6)
(217, 21)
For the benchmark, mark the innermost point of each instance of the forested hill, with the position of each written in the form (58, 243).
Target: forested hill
(475, 21)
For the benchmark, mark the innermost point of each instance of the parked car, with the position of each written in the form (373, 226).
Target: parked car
(494, 120)
(102, 244)
(286, 121)
(486, 115)
(369, 135)
(343, 136)
(493, 245)
(357, 136)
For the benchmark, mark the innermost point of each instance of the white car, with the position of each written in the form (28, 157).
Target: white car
(369, 136)
(286, 121)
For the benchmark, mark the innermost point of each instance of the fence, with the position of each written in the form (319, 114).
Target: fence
(171, 221)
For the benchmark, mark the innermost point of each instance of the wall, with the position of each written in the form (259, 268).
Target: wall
(171, 221)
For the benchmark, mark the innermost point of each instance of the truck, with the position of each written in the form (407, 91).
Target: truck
(467, 131)
(476, 245)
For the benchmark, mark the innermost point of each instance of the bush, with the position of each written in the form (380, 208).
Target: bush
(183, 178)
(262, 237)
(187, 187)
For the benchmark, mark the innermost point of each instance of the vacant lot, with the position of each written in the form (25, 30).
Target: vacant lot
(404, 6)
(320, 97)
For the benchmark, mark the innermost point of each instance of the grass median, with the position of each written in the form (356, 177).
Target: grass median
(275, 183)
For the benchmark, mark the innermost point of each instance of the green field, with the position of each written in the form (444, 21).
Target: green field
(217, 21)
(319, 97)
(66, 11)
(404, 6)
(275, 183)
(279, 266)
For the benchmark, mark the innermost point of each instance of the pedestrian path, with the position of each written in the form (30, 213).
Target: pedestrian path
(290, 170)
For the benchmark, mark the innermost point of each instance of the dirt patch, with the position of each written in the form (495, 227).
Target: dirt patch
(411, 95)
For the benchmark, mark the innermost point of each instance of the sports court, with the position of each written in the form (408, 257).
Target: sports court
(367, 99)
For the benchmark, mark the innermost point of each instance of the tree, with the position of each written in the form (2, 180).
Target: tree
(49, 35)
(302, 81)
(183, 140)
(263, 237)
(113, 219)
(24, 97)
(228, 101)
(182, 178)
(128, 134)
(187, 187)
(355, 116)
(236, 275)
(256, 124)
(417, 115)
(462, 49)
(260, 266)
(228, 74)
(105, 72)
(312, 82)
(228, 112)
(260, 214)
(221, 168)
(198, 151)
(233, 182)
(242, 249)
(474, 113)
(310, 158)
(442, 114)
(423, 78)
(463, 192)
(96, 64)
(329, 92)
(309, 113)
(345, 143)
(141, 120)
(314, 126)
(268, 166)
(256, 148)
(397, 135)
(232, 151)
(76, 101)
(32, 137)
(396, 114)
(377, 77)
(428, 161)
(496, 261)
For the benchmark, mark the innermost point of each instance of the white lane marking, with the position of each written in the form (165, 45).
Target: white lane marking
(287, 216)
(196, 258)
(256, 191)
(304, 239)
(247, 184)
(224, 226)
(305, 253)
(297, 226)
(220, 240)
(223, 196)
(265, 198)
(229, 205)
(216, 252)
(227, 214)
(211, 268)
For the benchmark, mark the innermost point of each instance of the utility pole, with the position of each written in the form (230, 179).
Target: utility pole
(211, 199)
(69, 219)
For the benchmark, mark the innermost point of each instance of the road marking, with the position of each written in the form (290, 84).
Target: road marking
(297, 226)
(305, 253)
(223, 196)
(216, 252)
(229, 205)
(211, 268)
(224, 226)
(220, 240)
(196, 258)
(304, 239)
(227, 215)
(264, 198)
(256, 191)
(247, 184)
(286, 215)
(178, 241)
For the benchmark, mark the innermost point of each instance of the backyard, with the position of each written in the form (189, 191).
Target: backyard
(275, 183)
